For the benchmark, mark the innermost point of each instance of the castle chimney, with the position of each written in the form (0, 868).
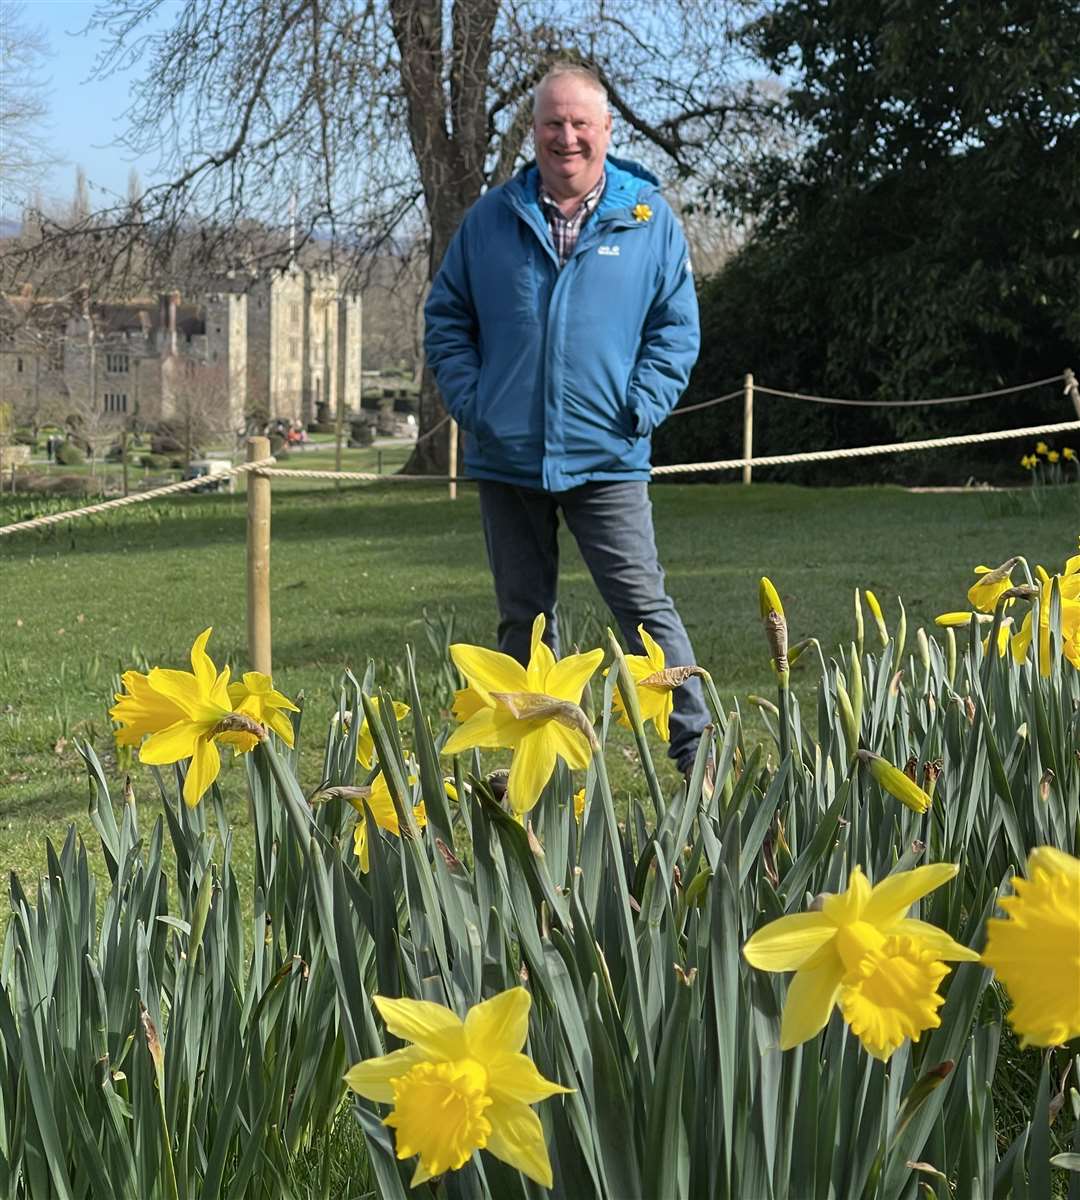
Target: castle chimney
(167, 303)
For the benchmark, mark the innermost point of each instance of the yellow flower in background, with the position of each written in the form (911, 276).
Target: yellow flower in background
(1068, 453)
(178, 712)
(365, 742)
(531, 710)
(255, 697)
(1035, 949)
(654, 699)
(863, 953)
(460, 1086)
(892, 780)
(384, 814)
(984, 593)
(579, 804)
(1069, 592)
(642, 212)
(1042, 448)
(466, 704)
(1053, 456)
(1028, 462)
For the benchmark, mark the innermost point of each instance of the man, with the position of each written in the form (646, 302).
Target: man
(562, 327)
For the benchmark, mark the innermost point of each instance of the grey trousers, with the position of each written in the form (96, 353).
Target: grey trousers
(612, 524)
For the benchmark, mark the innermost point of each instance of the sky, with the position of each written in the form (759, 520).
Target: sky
(85, 115)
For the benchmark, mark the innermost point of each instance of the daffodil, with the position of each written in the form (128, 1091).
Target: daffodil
(653, 690)
(365, 742)
(1004, 633)
(1035, 949)
(1053, 456)
(579, 804)
(385, 815)
(460, 1086)
(255, 697)
(862, 953)
(1068, 585)
(531, 710)
(984, 593)
(892, 780)
(180, 714)
(1028, 462)
(1068, 453)
(776, 630)
(1042, 448)
(879, 618)
(955, 619)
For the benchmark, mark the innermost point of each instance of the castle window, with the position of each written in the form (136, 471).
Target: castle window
(117, 364)
(294, 315)
(116, 402)
(19, 366)
(294, 349)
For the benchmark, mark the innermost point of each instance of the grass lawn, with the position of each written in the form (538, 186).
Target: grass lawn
(353, 571)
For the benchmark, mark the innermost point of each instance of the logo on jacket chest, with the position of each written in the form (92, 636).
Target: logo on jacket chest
(608, 251)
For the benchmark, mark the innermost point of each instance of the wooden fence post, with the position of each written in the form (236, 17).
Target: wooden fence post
(748, 426)
(258, 559)
(1073, 390)
(452, 458)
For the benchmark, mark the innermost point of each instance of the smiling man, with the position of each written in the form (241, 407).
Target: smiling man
(562, 327)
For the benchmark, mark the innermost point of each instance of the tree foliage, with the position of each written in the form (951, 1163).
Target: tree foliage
(926, 240)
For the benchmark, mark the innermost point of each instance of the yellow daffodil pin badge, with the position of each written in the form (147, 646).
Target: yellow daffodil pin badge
(642, 212)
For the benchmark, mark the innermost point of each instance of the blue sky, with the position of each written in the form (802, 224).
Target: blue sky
(84, 114)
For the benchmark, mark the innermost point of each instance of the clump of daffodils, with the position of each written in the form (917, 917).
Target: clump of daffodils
(460, 1085)
(174, 715)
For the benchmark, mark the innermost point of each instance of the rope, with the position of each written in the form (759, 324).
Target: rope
(1020, 387)
(171, 489)
(433, 429)
(776, 460)
(360, 476)
(678, 412)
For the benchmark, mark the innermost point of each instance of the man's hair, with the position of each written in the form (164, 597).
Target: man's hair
(571, 70)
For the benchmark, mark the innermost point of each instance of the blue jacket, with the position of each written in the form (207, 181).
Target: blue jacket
(557, 376)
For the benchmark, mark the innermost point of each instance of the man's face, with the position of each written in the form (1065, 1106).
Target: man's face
(572, 128)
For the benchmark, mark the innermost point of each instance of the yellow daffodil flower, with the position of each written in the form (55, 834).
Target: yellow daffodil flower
(768, 598)
(365, 742)
(255, 697)
(531, 710)
(1068, 453)
(642, 212)
(1004, 633)
(1028, 462)
(579, 804)
(879, 618)
(984, 593)
(385, 815)
(460, 1086)
(1053, 456)
(179, 713)
(654, 698)
(1042, 448)
(1069, 592)
(1035, 949)
(863, 953)
(892, 780)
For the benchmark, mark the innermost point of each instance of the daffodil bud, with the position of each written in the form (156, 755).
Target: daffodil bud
(879, 618)
(768, 598)
(892, 780)
(923, 644)
(858, 621)
(950, 656)
(901, 633)
(847, 719)
(856, 686)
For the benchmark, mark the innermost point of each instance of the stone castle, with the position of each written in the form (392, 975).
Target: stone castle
(285, 344)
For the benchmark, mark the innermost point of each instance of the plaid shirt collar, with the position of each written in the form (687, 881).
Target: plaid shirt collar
(566, 230)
